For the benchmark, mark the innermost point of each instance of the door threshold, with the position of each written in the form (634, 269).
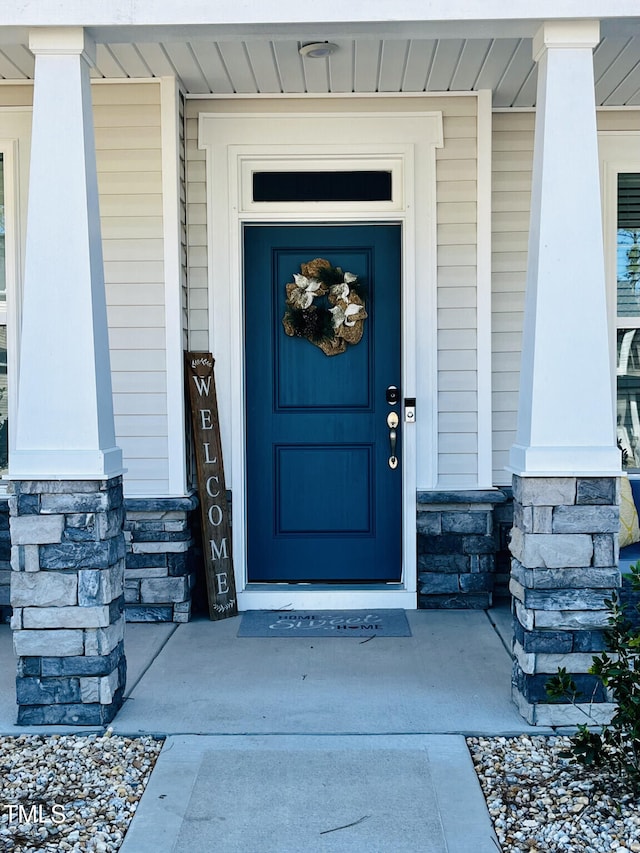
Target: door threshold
(326, 597)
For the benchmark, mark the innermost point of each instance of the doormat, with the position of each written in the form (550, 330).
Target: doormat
(324, 623)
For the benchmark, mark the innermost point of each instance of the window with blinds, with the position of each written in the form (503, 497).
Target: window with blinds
(3, 272)
(4, 395)
(628, 322)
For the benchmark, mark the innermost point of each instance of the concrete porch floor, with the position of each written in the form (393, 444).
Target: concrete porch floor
(452, 676)
(271, 742)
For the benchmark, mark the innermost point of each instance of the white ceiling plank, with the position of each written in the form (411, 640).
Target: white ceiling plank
(21, 57)
(216, 74)
(106, 63)
(626, 89)
(156, 58)
(517, 70)
(367, 64)
(634, 100)
(444, 65)
(236, 60)
(496, 62)
(341, 77)
(316, 74)
(130, 60)
(8, 70)
(526, 97)
(606, 53)
(289, 64)
(393, 62)
(474, 53)
(419, 60)
(182, 57)
(264, 67)
(617, 71)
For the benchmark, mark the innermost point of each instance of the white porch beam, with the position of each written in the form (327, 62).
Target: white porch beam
(64, 426)
(565, 417)
(198, 12)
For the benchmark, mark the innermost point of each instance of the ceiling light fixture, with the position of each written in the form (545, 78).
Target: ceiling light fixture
(317, 49)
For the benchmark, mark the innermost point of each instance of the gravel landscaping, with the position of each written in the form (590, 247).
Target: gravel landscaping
(539, 801)
(71, 792)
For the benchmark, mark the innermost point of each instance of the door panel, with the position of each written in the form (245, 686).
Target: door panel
(323, 505)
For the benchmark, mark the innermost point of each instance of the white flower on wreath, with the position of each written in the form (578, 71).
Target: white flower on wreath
(341, 291)
(305, 291)
(344, 314)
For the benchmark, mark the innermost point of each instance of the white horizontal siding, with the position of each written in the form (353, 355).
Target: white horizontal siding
(135, 205)
(129, 158)
(124, 294)
(133, 383)
(454, 341)
(12, 95)
(140, 403)
(148, 228)
(140, 159)
(147, 360)
(623, 120)
(457, 422)
(137, 426)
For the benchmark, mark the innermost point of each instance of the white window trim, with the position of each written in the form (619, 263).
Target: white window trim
(374, 161)
(619, 151)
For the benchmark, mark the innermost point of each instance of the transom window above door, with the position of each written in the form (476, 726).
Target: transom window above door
(352, 183)
(363, 185)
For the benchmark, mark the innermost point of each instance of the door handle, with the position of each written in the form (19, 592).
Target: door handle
(392, 423)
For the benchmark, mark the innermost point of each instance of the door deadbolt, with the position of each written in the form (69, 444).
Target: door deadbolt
(393, 395)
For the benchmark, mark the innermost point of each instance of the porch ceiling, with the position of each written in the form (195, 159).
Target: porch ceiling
(364, 63)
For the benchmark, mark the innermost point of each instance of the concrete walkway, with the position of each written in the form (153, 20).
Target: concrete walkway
(332, 744)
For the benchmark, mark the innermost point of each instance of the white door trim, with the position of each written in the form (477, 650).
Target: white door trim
(232, 141)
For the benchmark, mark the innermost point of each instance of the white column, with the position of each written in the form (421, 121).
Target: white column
(64, 427)
(565, 418)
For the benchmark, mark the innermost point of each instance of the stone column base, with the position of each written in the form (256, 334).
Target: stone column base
(564, 547)
(67, 561)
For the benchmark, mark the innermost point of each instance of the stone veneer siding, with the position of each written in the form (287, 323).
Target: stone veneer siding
(5, 563)
(160, 563)
(564, 547)
(67, 561)
(458, 540)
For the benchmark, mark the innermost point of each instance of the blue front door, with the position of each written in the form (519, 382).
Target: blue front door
(323, 503)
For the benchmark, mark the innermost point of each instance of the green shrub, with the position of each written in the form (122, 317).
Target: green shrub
(617, 744)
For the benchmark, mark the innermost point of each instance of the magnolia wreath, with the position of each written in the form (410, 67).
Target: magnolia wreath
(325, 306)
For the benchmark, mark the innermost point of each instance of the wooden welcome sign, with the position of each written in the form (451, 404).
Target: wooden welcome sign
(216, 528)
